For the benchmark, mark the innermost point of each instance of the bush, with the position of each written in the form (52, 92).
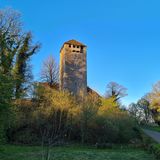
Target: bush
(150, 145)
(26, 136)
(146, 141)
(115, 126)
(91, 122)
(155, 149)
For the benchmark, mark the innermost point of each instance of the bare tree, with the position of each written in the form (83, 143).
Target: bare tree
(10, 38)
(116, 91)
(10, 23)
(50, 71)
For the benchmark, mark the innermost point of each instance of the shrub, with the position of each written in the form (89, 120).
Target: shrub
(155, 149)
(54, 112)
(26, 136)
(150, 145)
(115, 125)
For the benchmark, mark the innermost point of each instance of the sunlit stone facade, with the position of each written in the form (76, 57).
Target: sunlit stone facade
(73, 69)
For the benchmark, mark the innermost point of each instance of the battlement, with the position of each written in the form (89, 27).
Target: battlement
(74, 46)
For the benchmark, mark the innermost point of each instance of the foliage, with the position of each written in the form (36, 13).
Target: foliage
(114, 125)
(155, 149)
(6, 93)
(150, 145)
(87, 113)
(6, 90)
(44, 119)
(52, 111)
(43, 111)
(141, 111)
(15, 51)
(21, 69)
(154, 98)
(10, 30)
(55, 116)
(16, 48)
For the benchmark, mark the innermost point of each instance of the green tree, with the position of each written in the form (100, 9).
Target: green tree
(87, 112)
(154, 98)
(6, 94)
(9, 30)
(114, 124)
(135, 112)
(144, 106)
(16, 48)
(141, 111)
(10, 38)
(15, 51)
(21, 70)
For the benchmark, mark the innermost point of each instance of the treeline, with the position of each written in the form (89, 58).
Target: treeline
(54, 116)
(147, 110)
(16, 48)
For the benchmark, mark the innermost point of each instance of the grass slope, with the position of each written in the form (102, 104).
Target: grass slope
(11, 152)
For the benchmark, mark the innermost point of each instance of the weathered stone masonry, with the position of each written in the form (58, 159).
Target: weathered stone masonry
(73, 67)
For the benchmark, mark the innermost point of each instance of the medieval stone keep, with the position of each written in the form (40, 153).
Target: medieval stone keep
(73, 70)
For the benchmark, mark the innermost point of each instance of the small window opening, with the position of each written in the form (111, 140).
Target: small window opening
(81, 49)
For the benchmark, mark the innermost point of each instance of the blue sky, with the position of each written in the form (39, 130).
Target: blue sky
(123, 38)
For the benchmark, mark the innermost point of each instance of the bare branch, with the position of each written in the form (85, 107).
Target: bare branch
(115, 90)
(49, 71)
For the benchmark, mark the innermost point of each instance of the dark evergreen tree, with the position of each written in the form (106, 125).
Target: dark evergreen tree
(22, 69)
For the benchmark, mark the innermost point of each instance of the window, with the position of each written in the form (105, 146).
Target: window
(77, 46)
(69, 45)
(81, 49)
(74, 46)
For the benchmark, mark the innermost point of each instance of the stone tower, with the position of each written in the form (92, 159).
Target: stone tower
(73, 70)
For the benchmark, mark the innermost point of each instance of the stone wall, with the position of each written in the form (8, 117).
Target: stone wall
(73, 72)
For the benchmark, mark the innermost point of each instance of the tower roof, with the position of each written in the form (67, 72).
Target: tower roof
(74, 42)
